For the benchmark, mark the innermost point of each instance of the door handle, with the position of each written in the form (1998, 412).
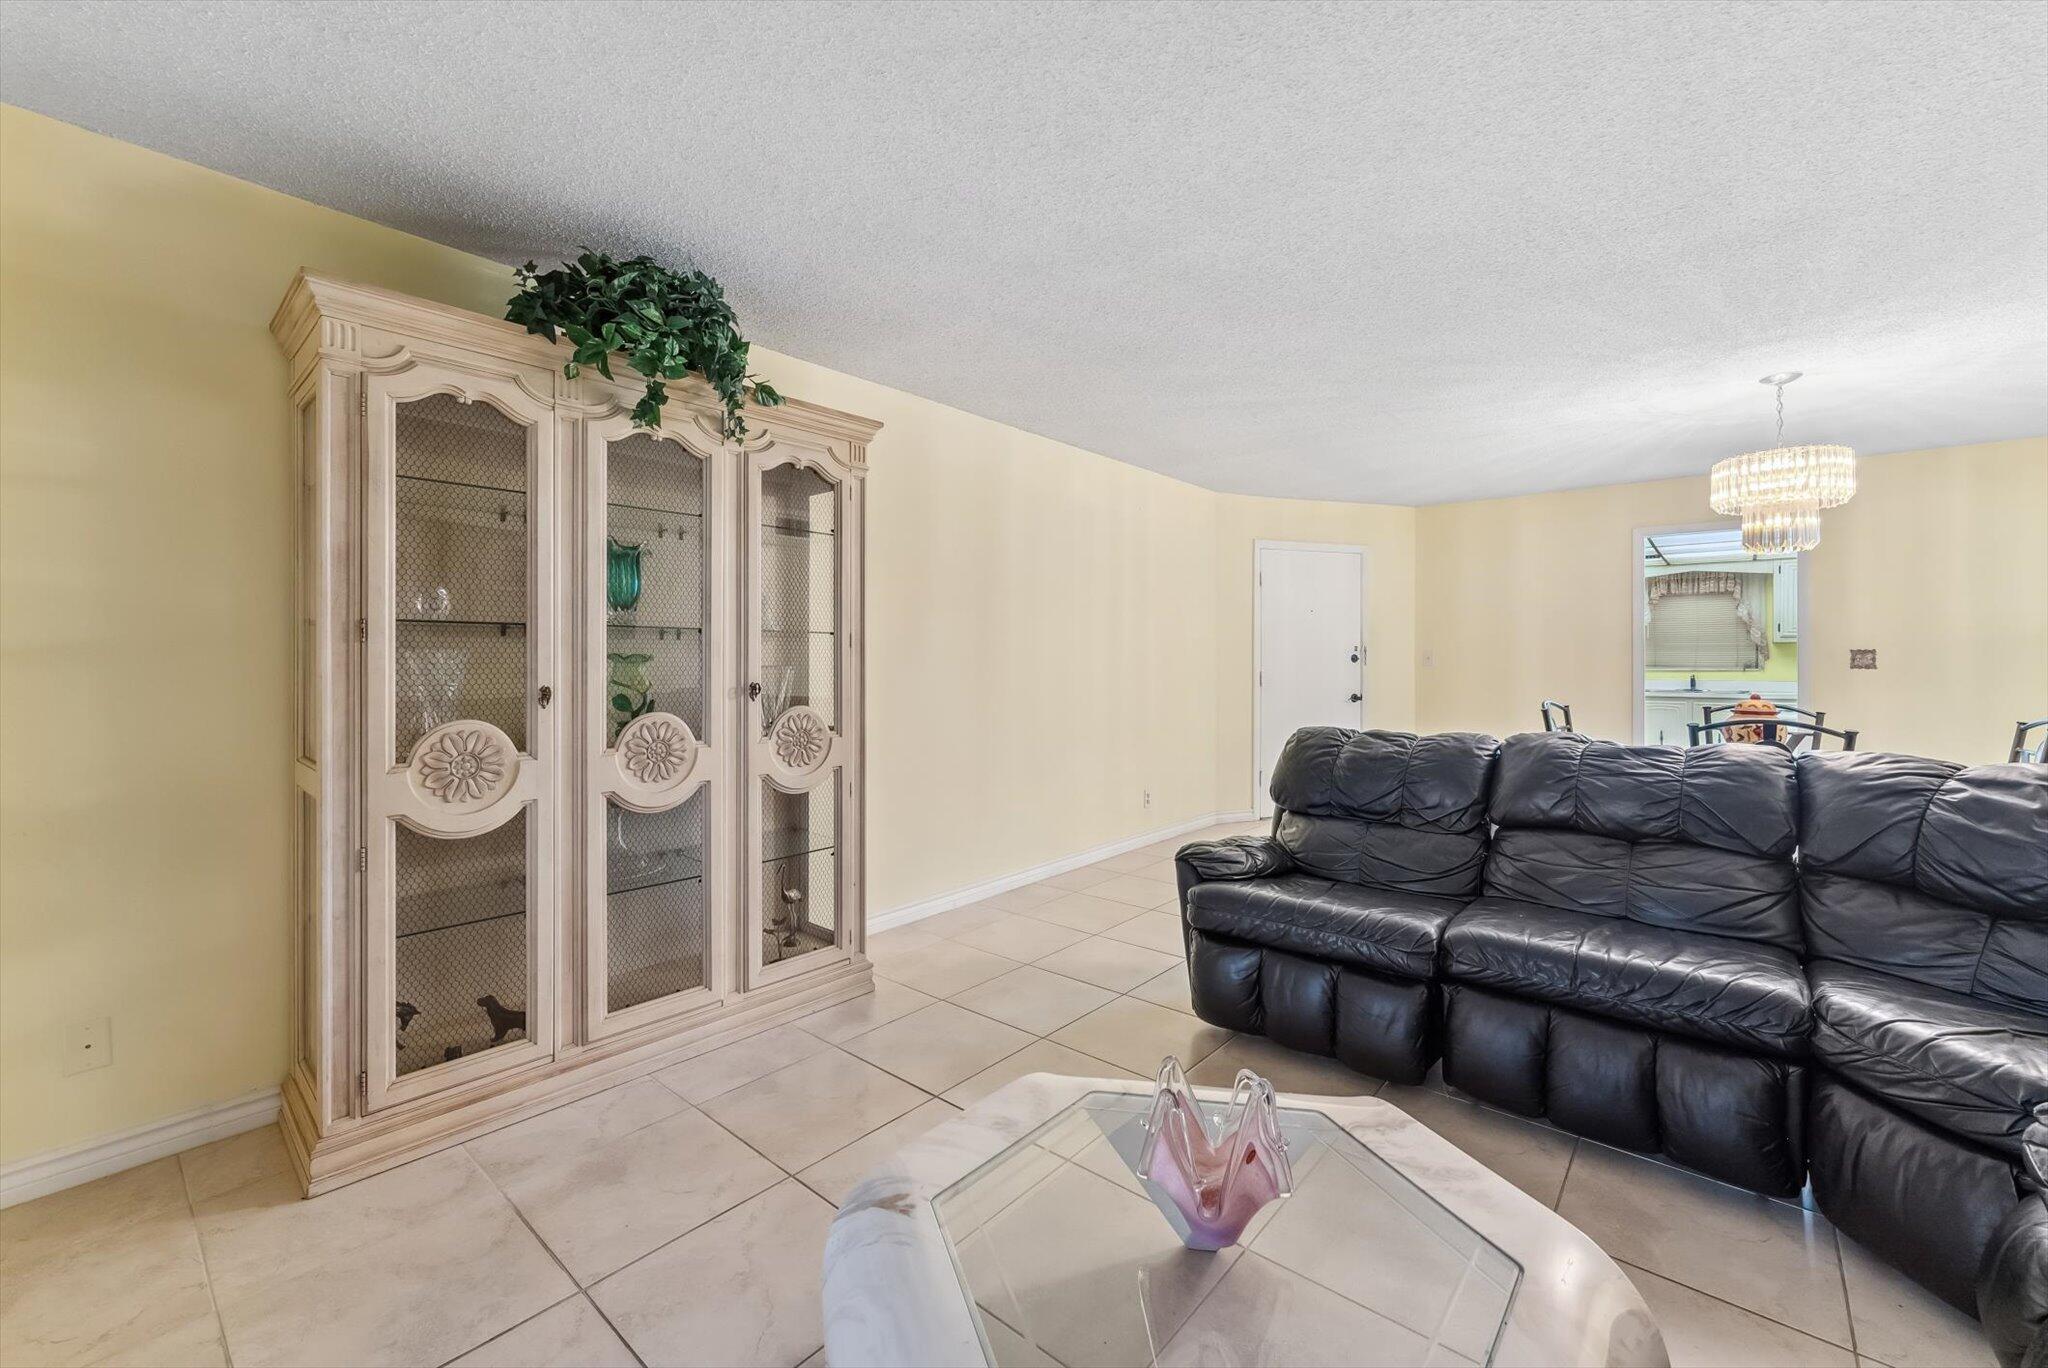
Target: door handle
(1358, 698)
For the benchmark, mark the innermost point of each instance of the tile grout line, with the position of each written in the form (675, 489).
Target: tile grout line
(1848, 1304)
(1569, 1161)
(584, 1291)
(536, 1316)
(927, 1097)
(541, 1240)
(192, 1214)
(1733, 1305)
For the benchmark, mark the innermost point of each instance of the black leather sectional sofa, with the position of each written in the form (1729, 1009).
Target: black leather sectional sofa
(1832, 970)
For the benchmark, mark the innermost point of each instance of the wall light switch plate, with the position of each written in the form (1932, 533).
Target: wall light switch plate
(88, 1045)
(1428, 660)
(1863, 658)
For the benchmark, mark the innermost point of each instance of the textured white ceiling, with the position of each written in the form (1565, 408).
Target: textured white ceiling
(1407, 253)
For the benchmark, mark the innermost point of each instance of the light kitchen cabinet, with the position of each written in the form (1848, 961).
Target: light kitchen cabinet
(1785, 601)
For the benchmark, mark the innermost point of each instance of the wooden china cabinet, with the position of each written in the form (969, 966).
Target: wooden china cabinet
(579, 744)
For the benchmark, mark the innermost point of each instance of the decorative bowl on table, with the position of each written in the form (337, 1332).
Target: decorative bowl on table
(1210, 1174)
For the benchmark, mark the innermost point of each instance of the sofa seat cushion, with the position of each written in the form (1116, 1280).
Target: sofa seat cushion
(1735, 992)
(1974, 1069)
(1396, 933)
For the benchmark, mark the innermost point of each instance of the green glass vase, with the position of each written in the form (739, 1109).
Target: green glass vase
(622, 573)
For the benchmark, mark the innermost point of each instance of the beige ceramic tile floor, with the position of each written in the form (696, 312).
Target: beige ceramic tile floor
(680, 1217)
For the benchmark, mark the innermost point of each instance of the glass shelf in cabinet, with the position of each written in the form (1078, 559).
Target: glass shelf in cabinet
(783, 844)
(504, 628)
(658, 512)
(518, 494)
(674, 867)
(460, 925)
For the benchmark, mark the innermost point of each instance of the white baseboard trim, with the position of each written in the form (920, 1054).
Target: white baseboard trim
(54, 1170)
(960, 897)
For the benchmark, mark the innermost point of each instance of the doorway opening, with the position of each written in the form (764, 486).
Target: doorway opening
(1714, 624)
(1308, 647)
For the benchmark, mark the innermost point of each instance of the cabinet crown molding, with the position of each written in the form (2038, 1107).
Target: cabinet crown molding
(326, 315)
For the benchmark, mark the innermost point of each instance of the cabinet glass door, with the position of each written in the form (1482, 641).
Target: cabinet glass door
(655, 885)
(459, 761)
(796, 670)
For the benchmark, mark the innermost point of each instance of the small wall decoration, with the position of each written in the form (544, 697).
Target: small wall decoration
(1863, 657)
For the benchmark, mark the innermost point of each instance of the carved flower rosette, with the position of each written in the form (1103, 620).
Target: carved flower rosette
(656, 754)
(799, 747)
(462, 767)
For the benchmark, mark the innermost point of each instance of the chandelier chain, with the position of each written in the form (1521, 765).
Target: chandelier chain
(1781, 416)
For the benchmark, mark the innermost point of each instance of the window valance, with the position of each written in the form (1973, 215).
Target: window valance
(1750, 592)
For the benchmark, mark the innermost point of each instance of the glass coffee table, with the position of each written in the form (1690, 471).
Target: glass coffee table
(1019, 1234)
(1065, 1257)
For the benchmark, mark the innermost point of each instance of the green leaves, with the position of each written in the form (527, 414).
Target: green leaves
(667, 323)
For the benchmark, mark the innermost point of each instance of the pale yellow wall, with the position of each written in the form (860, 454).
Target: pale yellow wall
(1388, 535)
(1043, 647)
(1051, 632)
(1940, 562)
(1040, 647)
(145, 548)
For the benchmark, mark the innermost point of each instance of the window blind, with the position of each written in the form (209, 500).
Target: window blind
(1698, 632)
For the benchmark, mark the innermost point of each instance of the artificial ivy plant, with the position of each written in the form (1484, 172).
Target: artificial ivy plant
(668, 323)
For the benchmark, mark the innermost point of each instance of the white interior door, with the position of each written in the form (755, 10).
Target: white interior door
(1311, 647)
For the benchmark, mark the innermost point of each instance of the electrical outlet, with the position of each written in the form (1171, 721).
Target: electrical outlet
(88, 1045)
(1148, 797)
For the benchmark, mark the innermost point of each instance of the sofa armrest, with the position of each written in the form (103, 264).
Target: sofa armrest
(2012, 1285)
(1235, 857)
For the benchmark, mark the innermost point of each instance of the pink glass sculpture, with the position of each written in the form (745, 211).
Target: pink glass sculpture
(1213, 1183)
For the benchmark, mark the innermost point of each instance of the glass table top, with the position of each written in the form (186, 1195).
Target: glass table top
(1067, 1261)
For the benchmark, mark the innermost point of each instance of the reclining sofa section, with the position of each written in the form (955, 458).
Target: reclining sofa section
(1926, 907)
(1632, 970)
(1324, 935)
(1636, 956)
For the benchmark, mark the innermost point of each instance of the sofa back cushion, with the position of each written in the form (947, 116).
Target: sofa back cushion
(1697, 839)
(1386, 809)
(1933, 872)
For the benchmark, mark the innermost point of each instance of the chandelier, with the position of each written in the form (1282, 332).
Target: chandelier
(1779, 493)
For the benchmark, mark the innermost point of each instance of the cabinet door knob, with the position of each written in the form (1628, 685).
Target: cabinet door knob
(1355, 698)
(754, 689)
(547, 694)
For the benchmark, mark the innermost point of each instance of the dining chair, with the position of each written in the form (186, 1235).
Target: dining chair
(1550, 723)
(1818, 719)
(2036, 752)
(1790, 735)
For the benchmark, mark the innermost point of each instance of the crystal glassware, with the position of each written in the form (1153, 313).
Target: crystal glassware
(1210, 1179)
